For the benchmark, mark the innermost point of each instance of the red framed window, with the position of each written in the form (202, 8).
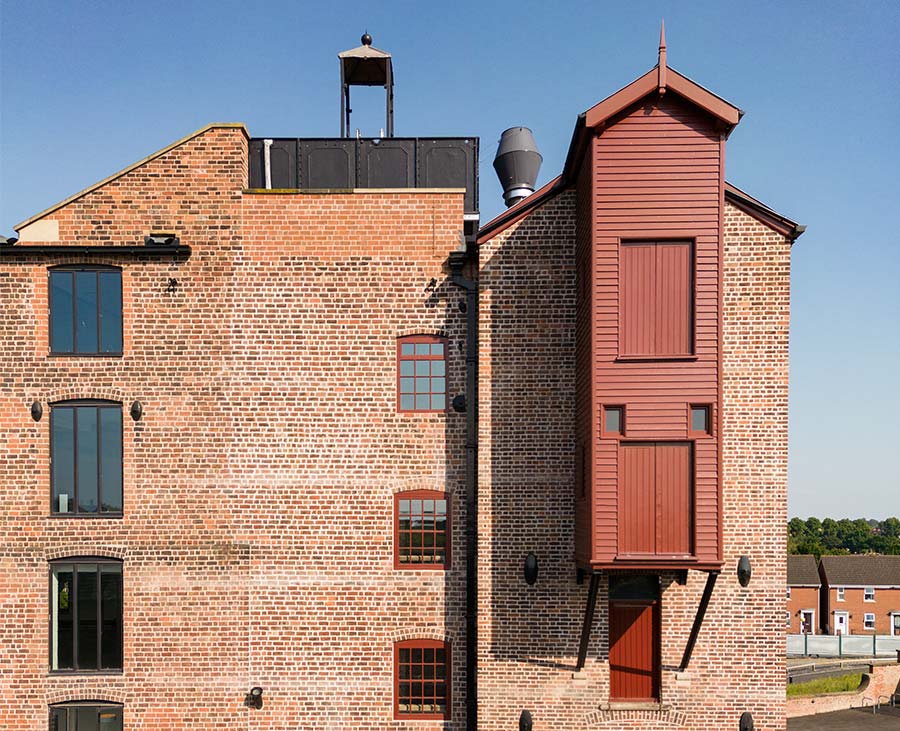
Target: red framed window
(422, 373)
(613, 421)
(700, 420)
(421, 530)
(422, 679)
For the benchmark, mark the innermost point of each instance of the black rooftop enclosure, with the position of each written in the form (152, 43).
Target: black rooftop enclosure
(398, 162)
(366, 66)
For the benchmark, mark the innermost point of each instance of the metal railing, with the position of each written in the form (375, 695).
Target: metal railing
(842, 645)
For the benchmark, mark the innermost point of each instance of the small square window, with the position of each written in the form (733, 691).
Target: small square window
(700, 421)
(869, 621)
(613, 420)
(840, 593)
(869, 594)
(421, 374)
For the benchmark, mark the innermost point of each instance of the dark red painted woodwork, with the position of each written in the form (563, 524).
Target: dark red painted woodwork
(650, 194)
(655, 299)
(655, 500)
(633, 650)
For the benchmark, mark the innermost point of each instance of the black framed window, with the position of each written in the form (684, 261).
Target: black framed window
(86, 615)
(86, 310)
(86, 458)
(86, 716)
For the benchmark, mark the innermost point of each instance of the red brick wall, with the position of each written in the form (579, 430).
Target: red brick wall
(528, 635)
(886, 601)
(258, 487)
(803, 598)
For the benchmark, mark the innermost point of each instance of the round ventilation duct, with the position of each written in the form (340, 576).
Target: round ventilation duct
(517, 163)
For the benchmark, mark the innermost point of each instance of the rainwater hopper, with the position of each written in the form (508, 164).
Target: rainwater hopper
(517, 163)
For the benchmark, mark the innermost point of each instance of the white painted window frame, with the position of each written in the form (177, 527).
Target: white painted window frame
(866, 591)
(866, 616)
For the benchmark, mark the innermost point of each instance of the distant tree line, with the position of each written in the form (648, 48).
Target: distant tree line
(831, 537)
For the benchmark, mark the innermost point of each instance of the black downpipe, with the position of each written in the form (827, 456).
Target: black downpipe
(458, 260)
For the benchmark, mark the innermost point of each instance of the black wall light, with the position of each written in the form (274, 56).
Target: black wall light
(525, 721)
(37, 411)
(531, 569)
(253, 699)
(746, 722)
(137, 410)
(459, 403)
(744, 572)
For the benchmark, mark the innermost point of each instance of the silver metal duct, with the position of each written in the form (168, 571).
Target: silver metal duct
(517, 163)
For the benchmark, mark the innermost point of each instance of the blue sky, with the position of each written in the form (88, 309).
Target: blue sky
(87, 88)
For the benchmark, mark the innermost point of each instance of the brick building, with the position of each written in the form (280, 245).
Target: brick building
(860, 595)
(803, 585)
(263, 399)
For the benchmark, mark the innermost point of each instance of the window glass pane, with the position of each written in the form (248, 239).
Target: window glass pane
(407, 402)
(86, 334)
(111, 720)
(86, 602)
(62, 613)
(111, 460)
(700, 419)
(437, 348)
(613, 420)
(422, 349)
(438, 402)
(423, 402)
(111, 612)
(438, 385)
(62, 447)
(423, 368)
(407, 367)
(404, 507)
(58, 719)
(407, 385)
(440, 507)
(87, 719)
(62, 333)
(111, 312)
(423, 385)
(86, 429)
(407, 349)
(437, 368)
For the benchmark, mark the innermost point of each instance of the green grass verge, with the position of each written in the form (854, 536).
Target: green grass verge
(840, 684)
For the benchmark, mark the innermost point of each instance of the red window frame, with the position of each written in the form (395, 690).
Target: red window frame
(604, 433)
(709, 421)
(416, 358)
(422, 495)
(447, 680)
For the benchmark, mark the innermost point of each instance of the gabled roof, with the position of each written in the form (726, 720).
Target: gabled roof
(762, 213)
(658, 80)
(867, 570)
(802, 571)
(124, 171)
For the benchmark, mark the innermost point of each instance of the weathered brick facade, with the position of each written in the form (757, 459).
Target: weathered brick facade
(257, 538)
(529, 635)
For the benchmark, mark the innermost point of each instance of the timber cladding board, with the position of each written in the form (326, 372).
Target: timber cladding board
(656, 177)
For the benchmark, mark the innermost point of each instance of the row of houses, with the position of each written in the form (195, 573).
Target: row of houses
(849, 595)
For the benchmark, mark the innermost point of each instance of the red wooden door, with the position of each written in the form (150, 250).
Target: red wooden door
(633, 650)
(655, 498)
(674, 509)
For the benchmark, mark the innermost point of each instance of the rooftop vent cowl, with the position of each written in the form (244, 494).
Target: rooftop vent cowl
(517, 163)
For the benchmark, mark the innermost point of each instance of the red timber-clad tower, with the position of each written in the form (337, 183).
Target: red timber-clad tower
(654, 300)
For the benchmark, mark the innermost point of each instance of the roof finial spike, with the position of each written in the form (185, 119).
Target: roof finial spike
(661, 83)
